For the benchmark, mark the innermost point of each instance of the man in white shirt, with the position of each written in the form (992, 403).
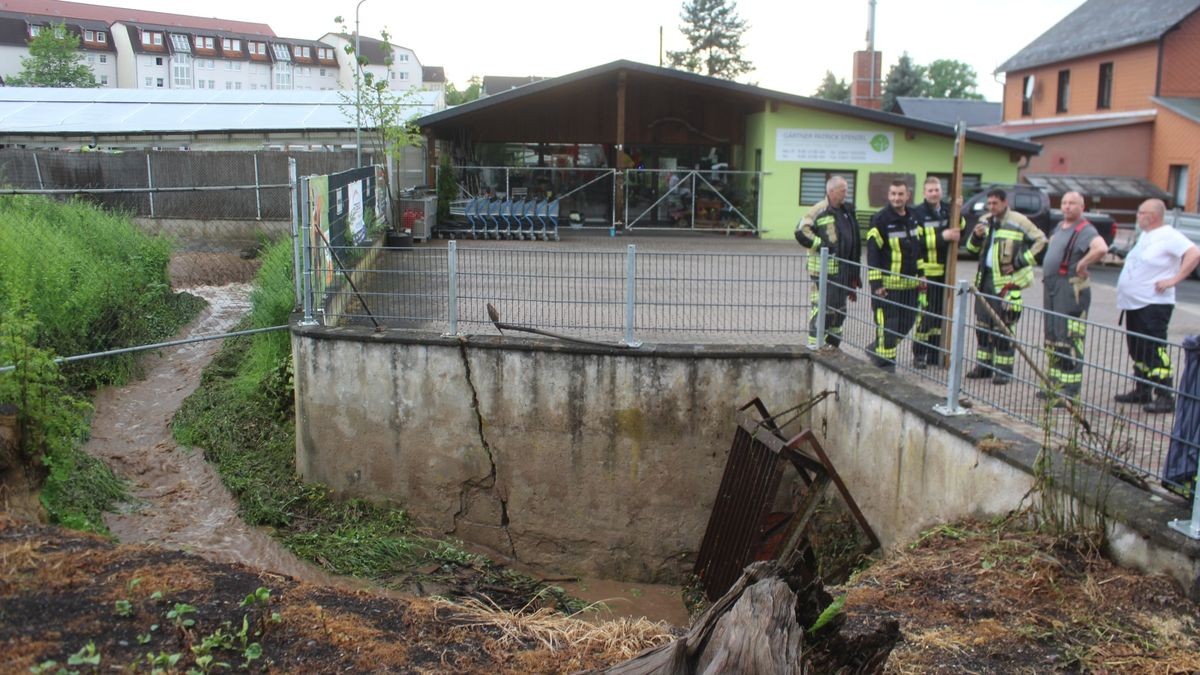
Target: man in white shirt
(1161, 258)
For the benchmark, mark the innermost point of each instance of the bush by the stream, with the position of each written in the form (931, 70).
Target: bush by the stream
(92, 280)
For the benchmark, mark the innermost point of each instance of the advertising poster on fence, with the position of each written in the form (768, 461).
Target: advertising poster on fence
(349, 192)
(834, 145)
(319, 234)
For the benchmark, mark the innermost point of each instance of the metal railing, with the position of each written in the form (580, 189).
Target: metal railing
(625, 297)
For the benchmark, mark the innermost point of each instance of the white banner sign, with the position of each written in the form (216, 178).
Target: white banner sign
(833, 145)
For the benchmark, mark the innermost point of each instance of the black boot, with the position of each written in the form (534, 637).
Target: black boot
(979, 372)
(1002, 377)
(1163, 402)
(1139, 394)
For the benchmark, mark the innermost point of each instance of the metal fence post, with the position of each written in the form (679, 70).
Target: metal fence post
(38, 170)
(452, 287)
(958, 346)
(630, 295)
(306, 257)
(150, 184)
(258, 191)
(1191, 528)
(822, 287)
(294, 206)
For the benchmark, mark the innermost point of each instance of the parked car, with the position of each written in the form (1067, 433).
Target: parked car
(1189, 225)
(1034, 204)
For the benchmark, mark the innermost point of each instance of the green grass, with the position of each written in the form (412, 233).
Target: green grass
(92, 280)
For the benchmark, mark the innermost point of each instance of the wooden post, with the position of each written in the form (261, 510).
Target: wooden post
(619, 178)
(960, 146)
(430, 159)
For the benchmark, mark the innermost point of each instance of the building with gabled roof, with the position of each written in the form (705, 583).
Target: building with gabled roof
(1103, 89)
(667, 120)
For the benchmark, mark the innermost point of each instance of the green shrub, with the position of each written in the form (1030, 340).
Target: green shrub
(77, 488)
(92, 280)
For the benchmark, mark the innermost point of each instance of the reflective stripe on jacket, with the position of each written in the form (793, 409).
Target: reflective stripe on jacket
(1012, 239)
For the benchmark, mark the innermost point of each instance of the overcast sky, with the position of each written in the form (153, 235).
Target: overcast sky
(791, 44)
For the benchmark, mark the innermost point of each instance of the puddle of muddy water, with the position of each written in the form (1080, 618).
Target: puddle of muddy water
(623, 599)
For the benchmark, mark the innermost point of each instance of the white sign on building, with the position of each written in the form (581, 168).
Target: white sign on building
(834, 145)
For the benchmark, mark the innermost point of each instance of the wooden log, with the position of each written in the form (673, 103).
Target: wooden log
(750, 629)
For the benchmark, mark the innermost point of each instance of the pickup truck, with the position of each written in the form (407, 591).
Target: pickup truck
(1034, 204)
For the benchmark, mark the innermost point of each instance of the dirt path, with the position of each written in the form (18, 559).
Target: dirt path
(181, 502)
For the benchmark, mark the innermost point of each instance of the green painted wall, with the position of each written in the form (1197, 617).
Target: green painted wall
(925, 153)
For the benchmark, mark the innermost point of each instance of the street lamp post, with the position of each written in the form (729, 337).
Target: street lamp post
(357, 91)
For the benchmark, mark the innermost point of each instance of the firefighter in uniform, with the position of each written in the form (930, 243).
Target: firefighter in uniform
(1008, 245)
(936, 234)
(831, 224)
(1073, 246)
(894, 248)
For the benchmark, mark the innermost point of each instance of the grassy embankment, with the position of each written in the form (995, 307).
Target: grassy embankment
(243, 417)
(74, 280)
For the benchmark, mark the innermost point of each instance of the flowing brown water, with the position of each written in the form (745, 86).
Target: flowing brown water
(180, 500)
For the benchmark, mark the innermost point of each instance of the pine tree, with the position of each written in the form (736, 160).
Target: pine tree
(833, 89)
(904, 79)
(54, 61)
(714, 33)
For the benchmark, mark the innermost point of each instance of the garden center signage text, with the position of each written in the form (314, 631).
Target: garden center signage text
(834, 145)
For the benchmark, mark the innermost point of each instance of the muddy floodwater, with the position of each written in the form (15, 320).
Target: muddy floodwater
(180, 501)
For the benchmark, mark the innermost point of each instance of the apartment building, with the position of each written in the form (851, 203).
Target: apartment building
(1112, 90)
(95, 41)
(156, 50)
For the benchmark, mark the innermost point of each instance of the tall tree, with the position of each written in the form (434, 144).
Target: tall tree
(906, 78)
(833, 89)
(54, 61)
(947, 78)
(714, 34)
(456, 97)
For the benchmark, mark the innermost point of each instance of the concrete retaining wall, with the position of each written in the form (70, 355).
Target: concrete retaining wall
(606, 462)
(566, 459)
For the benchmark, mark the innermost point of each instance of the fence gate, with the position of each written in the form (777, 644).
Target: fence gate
(741, 527)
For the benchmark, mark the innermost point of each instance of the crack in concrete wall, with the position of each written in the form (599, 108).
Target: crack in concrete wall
(485, 486)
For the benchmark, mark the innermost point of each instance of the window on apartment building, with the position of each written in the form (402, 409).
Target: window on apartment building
(402, 57)
(226, 44)
(322, 72)
(403, 75)
(157, 39)
(180, 43)
(253, 85)
(1177, 184)
(812, 184)
(1105, 86)
(158, 82)
(1064, 91)
(296, 51)
(281, 52)
(104, 58)
(229, 85)
(149, 82)
(91, 58)
(181, 71)
(89, 35)
(1027, 86)
(237, 65)
(101, 37)
(283, 76)
(103, 80)
(158, 61)
(237, 85)
(262, 48)
(308, 52)
(34, 30)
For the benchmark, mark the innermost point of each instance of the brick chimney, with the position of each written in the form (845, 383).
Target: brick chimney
(867, 88)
